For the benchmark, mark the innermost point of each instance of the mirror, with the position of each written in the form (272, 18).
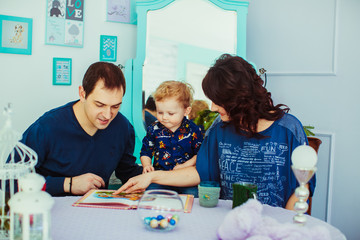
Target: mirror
(180, 40)
(181, 44)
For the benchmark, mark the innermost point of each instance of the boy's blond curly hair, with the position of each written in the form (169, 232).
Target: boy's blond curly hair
(181, 90)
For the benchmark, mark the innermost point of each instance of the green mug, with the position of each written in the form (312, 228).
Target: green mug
(209, 193)
(242, 191)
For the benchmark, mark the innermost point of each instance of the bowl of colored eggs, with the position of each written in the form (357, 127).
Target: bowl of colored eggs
(160, 210)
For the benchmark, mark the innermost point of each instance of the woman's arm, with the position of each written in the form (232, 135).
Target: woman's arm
(189, 163)
(293, 199)
(185, 177)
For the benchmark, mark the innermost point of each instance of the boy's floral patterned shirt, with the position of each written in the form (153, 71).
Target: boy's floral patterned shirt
(171, 148)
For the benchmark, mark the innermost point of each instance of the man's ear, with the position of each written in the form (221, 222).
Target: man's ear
(187, 111)
(82, 93)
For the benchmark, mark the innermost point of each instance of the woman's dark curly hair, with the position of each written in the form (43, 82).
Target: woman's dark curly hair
(233, 84)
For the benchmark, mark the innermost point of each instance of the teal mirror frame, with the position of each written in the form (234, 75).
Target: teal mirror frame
(132, 107)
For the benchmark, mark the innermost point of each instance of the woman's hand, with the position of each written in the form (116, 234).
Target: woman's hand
(184, 177)
(136, 184)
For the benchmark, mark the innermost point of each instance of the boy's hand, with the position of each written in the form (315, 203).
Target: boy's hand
(147, 169)
(179, 166)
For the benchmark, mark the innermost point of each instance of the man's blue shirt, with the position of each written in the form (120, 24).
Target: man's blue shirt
(64, 149)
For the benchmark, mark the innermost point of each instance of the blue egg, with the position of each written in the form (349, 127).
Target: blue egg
(160, 217)
(172, 222)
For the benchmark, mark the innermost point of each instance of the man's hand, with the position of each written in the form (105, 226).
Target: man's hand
(83, 183)
(136, 184)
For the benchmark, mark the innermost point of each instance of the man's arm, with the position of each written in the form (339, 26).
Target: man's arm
(83, 183)
(57, 185)
(185, 177)
(35, 138)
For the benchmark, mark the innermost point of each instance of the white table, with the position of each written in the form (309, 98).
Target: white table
(79, 223)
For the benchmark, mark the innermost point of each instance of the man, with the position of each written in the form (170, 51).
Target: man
(80, 144)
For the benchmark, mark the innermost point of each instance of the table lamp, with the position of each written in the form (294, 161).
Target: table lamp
(304, 159)
(30, 210)
(16, 160)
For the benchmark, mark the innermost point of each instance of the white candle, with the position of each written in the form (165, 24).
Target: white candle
(304, 156)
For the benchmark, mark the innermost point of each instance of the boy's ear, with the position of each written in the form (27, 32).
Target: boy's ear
(187, 111)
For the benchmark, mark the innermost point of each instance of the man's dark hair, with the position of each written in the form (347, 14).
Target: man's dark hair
(109, 73)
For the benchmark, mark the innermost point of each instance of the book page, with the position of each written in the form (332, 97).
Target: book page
(105, 199)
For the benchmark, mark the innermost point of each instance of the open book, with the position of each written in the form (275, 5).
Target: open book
(102, 198)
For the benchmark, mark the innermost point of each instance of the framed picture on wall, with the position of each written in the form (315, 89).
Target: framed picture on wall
(122, 11)
(65, 23)
(62, 71)
(15, 34)
(108, 48)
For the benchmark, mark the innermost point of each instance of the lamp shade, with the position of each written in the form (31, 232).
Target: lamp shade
(31, 199)
(304, 156)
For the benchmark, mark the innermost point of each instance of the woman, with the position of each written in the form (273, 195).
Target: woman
(252, 143)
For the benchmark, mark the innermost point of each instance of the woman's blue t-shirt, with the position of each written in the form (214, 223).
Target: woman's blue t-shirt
(228, 157)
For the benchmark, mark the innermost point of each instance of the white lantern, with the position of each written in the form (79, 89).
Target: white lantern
(30, 210)
(16, 160)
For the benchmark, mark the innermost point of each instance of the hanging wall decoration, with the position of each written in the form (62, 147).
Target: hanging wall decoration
(65, 23)
(15, 34)
(62, 71)
(122, 11)
(108, 48)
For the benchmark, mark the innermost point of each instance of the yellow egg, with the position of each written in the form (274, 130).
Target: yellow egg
(164, 223)
(154, 223)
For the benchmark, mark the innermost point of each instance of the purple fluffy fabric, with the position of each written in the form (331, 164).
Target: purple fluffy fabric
(246, 222)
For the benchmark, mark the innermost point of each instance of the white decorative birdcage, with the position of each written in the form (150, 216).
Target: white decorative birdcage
(16, 159)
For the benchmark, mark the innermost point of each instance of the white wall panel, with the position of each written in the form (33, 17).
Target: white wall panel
(298, 37)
